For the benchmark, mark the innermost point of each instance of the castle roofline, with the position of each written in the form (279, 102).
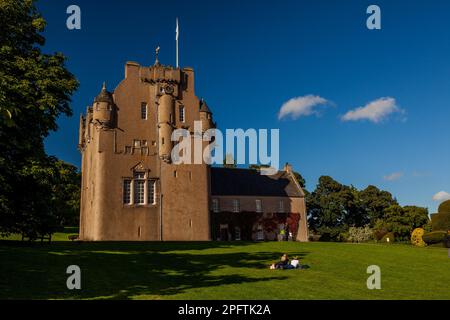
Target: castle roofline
(104, 95)
(249, 182)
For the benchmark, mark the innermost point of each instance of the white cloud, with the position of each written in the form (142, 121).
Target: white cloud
(302, 106)
(375, 111)
(393, 176)
(441, 196)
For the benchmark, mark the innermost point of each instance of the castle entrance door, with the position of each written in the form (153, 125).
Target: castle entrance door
(224, 232)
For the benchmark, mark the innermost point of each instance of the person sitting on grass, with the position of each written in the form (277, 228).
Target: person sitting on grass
(295, 263)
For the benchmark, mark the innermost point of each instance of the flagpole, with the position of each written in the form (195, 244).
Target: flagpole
(176, 39)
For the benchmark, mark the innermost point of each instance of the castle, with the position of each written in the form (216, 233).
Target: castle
(132, 190)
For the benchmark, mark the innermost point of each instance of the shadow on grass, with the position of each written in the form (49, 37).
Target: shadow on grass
(119, 270)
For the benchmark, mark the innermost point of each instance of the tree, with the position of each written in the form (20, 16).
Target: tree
(327, 207)
(333, 207)
(403, 220)
(374, 201)
(35, 89)
(67, 191)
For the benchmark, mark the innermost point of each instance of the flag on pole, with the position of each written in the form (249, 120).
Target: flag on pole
(176, 41)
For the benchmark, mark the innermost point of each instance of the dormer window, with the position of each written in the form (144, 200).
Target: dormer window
(258, 205)
(236, 205)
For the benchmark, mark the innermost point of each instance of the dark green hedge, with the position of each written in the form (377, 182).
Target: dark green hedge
(440, 221)
(444, 207)
(434, 237)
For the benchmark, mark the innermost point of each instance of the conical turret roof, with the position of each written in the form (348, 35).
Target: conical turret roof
(104, 95)
(204, 107)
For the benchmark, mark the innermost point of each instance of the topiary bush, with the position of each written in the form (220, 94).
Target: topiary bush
(390, 236)
(441, 221)
(416, 237)
(444, 207)
(434, 237)
(379, 234)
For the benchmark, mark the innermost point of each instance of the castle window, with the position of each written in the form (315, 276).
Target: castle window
(258, 205)
(181, 113)
(215, 205)
(137, 143)
(259, 232)
(235, 205)
(151, 195)
(139, 188)
(281, 206)
(175, 174)
(237, 233)
(144, 111)
(127, 191)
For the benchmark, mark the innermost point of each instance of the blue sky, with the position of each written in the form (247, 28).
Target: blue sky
(251, 57)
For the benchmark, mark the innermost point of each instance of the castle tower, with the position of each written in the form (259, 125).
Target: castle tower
(205, 116)
(103, 108)
(166, 112)
(131, 190)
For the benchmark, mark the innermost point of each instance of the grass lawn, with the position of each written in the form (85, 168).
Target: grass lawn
(219, 270)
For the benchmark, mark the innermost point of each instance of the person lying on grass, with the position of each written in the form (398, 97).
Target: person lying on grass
(284, 263)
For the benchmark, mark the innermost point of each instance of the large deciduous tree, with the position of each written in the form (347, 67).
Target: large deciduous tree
(35, 89)
(328, 207)
(374, 201)
(333, 208)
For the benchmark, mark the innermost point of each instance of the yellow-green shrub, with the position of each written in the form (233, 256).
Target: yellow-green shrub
(416, 237)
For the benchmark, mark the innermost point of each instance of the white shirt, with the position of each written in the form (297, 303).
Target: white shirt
(294, 262)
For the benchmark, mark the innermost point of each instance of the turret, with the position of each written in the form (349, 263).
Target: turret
(205, 116)
(103, 108)
(166, 116)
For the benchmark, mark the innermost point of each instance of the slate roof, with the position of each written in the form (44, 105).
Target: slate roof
(104, 95)
(248, 182)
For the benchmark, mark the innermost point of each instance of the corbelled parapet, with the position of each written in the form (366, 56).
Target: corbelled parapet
(160, 73)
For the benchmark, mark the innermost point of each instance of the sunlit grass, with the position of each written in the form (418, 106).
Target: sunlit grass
(214, 270)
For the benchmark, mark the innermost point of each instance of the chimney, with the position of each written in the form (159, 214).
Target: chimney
(287, 167)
